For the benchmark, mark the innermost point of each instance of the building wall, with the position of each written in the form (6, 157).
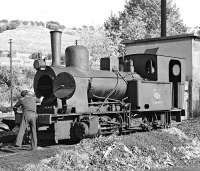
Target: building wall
(163, 68)
(196, 77)
(174, 48)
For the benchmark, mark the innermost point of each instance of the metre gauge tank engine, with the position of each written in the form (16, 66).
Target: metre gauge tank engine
(79, 102)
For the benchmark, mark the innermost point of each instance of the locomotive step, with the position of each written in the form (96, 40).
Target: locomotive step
(108, 128)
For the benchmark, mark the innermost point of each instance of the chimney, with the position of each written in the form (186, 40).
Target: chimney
(56, 47)
(163, 18)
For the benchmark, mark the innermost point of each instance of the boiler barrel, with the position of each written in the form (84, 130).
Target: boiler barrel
(105, 83)
(104, 87)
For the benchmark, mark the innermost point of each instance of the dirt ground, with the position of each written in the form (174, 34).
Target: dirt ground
(176, 148)
(12, 159)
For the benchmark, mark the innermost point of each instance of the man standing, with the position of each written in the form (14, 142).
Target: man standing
(28, 104)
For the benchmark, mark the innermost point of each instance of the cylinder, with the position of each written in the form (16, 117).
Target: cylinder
(56, 47)
(77, 56)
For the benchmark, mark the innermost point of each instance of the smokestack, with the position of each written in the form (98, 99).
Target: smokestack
(163, 18)
(56, 47)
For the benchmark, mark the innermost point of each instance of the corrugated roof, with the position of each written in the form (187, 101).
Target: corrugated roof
(180, 37)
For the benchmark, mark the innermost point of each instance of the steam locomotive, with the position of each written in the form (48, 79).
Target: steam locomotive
(79, 102)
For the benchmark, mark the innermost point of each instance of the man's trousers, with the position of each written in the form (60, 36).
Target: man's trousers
(28, 119)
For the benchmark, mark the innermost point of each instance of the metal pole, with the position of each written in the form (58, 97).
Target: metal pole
(11, 75)
(163, 18)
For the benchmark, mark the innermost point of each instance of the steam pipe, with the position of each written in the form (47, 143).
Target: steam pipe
(163, 18)
(56, 47)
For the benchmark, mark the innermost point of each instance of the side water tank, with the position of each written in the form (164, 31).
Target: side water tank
(77, 56)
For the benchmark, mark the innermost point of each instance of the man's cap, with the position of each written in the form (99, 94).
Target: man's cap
(24, 93)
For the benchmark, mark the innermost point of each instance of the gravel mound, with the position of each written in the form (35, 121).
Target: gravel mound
(140, 151)
(176, 147)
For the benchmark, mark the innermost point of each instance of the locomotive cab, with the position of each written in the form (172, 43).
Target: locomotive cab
(163, 85)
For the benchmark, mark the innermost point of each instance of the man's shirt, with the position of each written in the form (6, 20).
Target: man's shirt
(28, 103)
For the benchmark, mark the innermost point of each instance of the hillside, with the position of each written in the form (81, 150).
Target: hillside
(33, 39)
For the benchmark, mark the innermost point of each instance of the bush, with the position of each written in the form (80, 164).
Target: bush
(11, 26)
(91, 28)
(53, 22)
(5, 76)
(62, 27)
(28, 73)
(32, 23)
(22, 79)
(74, 28)
(35, 55)
(25, 23)
(4, 21)
(42, 23)
(15, 22)
(49, 56)
(85, 27)
(69, 32)
(3, 28)
(54, 25)
(4, 109)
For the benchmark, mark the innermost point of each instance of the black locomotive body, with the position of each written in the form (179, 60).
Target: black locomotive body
(79, 102)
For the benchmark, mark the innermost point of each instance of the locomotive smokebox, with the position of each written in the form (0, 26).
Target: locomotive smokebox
(77, 56)
(56, 47)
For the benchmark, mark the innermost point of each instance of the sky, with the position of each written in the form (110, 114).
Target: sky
(82, 12)
(190, 11)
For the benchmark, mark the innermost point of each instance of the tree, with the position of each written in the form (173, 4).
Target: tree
(141, 19)
(52, 25)
(195, 30)
(85, 27)
(62, 27)
(5, 76)
(98, 44)
(42, 24)
(25, 23)
(53, 22)
(15, 22)
(37, 23)
(3, 28)
(11, 26)
(35, 55)
(91, 28)
(32, 23)
(4, 21)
